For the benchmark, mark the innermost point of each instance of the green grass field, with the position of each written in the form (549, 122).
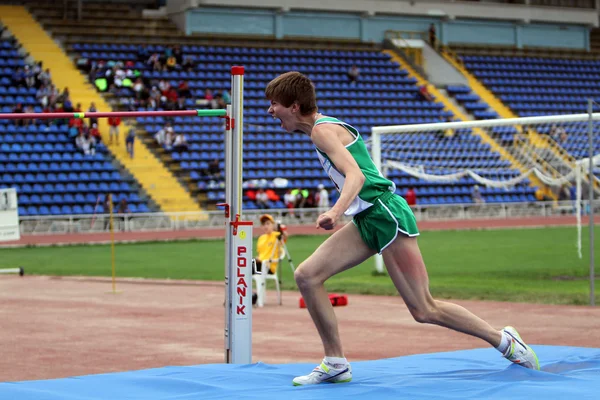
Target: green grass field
(521, 265)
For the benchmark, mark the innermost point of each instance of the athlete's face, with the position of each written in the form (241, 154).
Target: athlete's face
(286, 115)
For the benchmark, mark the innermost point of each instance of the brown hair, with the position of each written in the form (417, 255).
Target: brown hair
(293, 87)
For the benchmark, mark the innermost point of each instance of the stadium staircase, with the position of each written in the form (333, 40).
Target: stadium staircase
(557, 161)
(537, 143)
(154, 177)
(449, 105)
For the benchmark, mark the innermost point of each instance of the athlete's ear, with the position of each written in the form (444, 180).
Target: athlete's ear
(295, 107)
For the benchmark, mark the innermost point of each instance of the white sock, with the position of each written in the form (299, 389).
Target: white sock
(336, 362)
(504, 343)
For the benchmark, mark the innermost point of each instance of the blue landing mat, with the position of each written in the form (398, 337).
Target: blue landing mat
(567, 373)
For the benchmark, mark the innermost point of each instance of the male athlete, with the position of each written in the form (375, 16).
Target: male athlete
(382, 223)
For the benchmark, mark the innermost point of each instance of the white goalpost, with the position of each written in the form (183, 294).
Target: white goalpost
(517, 161)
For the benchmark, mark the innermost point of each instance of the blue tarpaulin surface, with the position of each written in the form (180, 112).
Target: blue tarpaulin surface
(567, 373)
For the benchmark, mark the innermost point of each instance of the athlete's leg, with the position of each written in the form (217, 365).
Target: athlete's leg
(405, 265)
(344, 249)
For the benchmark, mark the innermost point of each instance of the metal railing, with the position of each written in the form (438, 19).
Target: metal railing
(88, 223)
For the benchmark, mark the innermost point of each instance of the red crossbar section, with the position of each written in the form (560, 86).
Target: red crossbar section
(122, 114)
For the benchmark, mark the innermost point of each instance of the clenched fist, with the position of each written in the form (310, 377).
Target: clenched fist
(327, 220)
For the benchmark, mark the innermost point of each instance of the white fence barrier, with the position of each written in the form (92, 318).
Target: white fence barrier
(213, 219)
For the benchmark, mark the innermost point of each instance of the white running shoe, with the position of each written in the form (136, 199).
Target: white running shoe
(518, 352)
(325, 374)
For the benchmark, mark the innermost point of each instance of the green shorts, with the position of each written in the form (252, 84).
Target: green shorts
(379, 224)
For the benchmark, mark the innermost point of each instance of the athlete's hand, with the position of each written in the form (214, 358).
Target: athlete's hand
(327, 220)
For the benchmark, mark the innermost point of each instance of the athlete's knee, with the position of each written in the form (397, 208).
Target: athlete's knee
(305, 277)
(426, 313)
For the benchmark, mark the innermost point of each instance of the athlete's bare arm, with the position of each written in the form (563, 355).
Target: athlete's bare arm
(328, 138)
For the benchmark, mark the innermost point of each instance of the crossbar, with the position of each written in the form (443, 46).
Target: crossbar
(486, 123)
(122, 114)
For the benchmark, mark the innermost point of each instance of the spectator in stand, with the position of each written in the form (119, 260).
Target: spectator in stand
(353, 74)
(18, 109)
(106, 204)
(30, 78)
(45, 77)
(154, 62)
(85, 144)
(180, 143)
(95, 134)
(411, 196)
(18, 77)
(142, 54)
(62, 97)
(183, 89)
(564, 193)
(180, 105)
(559, 134)
(164, 86)
(188, 64)
(84, 128)
(154, 99)
(130, 142)
(178, 54)
(171, 98)
(289, 199)
(77, 108)
(144, 97)
(301, 195)
(27, 122)
(164, 136)
(226, 96)
(113, 130)
(171, 63)
(68, 105)
(42, 95)
(424, 94)
(214, 169)
(93, 109)
(54, 93)
(432, 36)
(208, 96)
(122, 210)
(219, 102)
(563, 136)
(75, 126)
(168, 52)
(123, 207)
(476, 195)
(37, 69)
(138, 88)
(322, 197)
(262, 200)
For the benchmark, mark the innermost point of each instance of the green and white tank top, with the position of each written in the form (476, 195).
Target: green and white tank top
(375, 184)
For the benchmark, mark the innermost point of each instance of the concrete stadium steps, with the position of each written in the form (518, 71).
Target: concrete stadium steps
(152, 174)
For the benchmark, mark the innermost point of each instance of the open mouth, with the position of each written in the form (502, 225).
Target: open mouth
(280, 121)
